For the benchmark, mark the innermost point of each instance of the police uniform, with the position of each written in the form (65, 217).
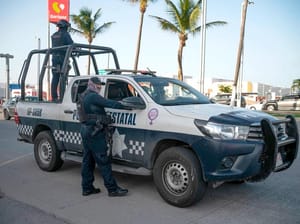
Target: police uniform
(59, 38)
(94, 141)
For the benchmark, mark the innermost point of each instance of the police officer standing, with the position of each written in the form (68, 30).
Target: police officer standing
(94, 122)
(60, 38)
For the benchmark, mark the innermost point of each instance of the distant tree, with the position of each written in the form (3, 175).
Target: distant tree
(225, 89)
(296, 86)
(87, 26)
(183, 21)
(143, 7)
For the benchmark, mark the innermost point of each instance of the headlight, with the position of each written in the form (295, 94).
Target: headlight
(223, 131)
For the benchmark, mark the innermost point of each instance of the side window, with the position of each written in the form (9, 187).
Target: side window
(118, 90)
(288, 98)
(78, 87)
(12, 101)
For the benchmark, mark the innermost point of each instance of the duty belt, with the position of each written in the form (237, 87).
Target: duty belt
(103, 119)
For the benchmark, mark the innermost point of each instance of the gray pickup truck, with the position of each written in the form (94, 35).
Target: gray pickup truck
(288, 102)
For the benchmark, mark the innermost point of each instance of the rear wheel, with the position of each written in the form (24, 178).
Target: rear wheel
(178, 177)
(46, 153)
(6, 115)
(270, 108)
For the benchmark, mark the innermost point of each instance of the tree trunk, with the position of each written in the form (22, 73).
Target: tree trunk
(89, 62)
(239, 54)
(179, 58)
(139, 42)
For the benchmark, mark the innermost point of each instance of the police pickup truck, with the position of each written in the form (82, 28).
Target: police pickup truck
(172, 131)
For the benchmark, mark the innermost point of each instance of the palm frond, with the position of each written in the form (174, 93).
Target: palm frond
(208, 25)
(97, 15)
(76, 31)
(103, 28)
(166, 25)
(174, 13)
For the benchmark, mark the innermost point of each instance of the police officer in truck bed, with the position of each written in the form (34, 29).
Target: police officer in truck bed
(94, 121)
(60, 38)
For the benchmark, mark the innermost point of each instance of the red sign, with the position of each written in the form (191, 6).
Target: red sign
(57, 10)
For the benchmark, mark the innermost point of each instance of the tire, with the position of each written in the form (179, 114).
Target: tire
(252, 108)
(6, 115)
(237, 182)
(46, 154)
(178, 177)
(270, 107)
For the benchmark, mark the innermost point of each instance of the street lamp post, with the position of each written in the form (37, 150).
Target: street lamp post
(7, 57)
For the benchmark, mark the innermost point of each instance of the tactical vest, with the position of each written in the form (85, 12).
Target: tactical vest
(82, 116)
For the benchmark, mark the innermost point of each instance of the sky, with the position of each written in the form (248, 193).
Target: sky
(271, 45)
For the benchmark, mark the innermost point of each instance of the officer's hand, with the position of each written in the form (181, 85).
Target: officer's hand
(125, 107)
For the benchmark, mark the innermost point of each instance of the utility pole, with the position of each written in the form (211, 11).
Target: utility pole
(38, 62)
(240, 50)
(7, 57)
(203, 43)
(48, 65)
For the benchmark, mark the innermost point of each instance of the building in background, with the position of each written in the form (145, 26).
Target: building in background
(251, 90)
(15, 90)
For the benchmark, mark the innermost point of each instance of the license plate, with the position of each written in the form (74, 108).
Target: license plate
(279, 161)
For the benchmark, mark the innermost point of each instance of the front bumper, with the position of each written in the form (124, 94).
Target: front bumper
(279, 153)
(254, 159)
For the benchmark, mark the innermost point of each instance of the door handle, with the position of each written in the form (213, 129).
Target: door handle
(68, 111)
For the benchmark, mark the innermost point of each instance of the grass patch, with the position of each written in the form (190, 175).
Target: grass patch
(296, 114)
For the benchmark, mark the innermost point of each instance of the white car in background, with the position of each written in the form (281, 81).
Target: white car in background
(255, 106)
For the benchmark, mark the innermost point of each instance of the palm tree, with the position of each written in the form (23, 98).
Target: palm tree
(184, 21)
(143, 7)
(87, 26)
(225, 88)
(296, 86)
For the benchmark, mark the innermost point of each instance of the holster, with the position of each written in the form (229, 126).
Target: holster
(101, 124)
(98, 127)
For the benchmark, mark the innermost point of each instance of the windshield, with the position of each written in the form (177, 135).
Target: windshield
(170, 92)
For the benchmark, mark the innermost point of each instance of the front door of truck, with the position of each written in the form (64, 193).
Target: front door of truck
(129, 135)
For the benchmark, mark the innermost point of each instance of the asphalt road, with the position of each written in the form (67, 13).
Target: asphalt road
(29, 195)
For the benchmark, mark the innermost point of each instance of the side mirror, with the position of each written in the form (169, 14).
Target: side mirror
(134, 102)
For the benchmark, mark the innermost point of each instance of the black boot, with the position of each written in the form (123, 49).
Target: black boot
(118, 192)
(92, 191)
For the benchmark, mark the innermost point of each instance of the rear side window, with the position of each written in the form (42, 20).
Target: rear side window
(78, 87)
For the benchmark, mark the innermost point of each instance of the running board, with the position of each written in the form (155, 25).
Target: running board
(141, 171)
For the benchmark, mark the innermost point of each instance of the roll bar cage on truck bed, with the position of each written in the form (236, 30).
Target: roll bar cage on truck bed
(72, 54)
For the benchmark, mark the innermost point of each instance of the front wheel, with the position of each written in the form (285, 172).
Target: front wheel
(46, 153)
(178, 177)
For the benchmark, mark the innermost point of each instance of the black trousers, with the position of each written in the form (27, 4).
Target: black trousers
(54, 85)
(95, 152)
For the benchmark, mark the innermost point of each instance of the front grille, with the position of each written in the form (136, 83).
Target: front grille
(255, 132)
